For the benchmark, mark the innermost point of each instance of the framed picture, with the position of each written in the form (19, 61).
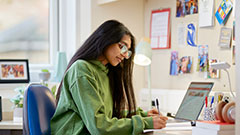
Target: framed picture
(14, 71)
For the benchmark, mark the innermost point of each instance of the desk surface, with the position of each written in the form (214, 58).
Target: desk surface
(183, 128)
(177, 132)
(10, 125)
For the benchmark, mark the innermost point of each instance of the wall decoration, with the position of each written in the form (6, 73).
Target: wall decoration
(233, 30)
(182, 34)
(233, 54)
(180, 8)
(14, 71)
(213, 73)
(191, 6)
(223, 11)
(191, 35)
(203, 64)
(174, 63)
(185, 65)
(225, 37)
(160, 29)
(206, 13)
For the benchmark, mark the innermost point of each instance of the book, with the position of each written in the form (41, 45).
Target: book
(215, 125)
(204, 131)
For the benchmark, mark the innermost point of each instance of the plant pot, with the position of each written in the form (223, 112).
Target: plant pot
(44, 76)
(17, 114)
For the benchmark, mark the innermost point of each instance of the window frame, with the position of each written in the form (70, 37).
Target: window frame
(53, 42)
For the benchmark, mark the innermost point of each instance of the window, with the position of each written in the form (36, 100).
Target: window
(26, 30)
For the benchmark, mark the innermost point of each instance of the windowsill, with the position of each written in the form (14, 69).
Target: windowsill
(11, 86)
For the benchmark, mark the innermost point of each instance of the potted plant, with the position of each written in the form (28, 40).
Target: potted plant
(18, 104)
(44, 76)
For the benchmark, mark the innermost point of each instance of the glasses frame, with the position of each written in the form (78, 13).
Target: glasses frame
(125, 49)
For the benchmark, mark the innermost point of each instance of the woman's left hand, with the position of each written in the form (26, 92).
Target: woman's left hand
(153, 112)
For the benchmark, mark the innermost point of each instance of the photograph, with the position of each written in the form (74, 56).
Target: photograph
(14, 71)
(180, 8)
(191, 7)
(185, 65)
(174, 63)
(213, 73)
(203, 64)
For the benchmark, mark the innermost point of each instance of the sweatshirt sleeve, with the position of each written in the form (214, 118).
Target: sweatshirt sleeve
(91, 109)
(139, 111)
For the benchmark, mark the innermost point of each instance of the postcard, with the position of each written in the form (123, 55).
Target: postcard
(203, 64)
(185, 65)
(174, 63)
(213, 73)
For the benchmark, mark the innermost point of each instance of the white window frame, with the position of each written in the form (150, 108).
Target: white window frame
(66, 31)
(53, 42)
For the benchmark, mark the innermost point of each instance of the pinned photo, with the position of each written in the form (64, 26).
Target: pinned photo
(185, 64)
(174, 63)
(203, 64)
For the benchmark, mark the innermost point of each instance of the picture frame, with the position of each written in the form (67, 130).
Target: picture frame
(14, 71)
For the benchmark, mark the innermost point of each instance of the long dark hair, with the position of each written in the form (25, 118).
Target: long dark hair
(120, 76)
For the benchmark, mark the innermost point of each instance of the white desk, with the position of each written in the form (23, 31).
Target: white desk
(10, 125)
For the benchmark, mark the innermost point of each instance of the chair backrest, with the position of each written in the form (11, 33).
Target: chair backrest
(38, 108)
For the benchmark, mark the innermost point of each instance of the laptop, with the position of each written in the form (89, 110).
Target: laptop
(193, 102)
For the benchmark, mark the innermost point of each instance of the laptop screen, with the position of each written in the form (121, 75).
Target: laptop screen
(193, 100)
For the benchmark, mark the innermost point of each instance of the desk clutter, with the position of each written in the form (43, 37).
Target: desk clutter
(219, 108)
(219, 117)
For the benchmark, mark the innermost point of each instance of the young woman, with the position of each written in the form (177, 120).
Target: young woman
(97, 88)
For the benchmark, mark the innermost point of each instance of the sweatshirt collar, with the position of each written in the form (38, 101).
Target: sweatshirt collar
(99, 65)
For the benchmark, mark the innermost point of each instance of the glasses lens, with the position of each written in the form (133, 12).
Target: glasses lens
(129, 54)
(125, 51)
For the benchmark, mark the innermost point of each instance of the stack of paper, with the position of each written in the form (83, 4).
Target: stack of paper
(213, 128)
(182, 126)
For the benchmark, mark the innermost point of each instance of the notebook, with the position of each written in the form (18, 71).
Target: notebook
(193, 101)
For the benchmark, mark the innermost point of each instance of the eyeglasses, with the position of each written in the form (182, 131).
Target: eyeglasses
(124, 50)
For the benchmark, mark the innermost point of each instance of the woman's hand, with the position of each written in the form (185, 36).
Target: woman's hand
(159, 121)
(153, 112)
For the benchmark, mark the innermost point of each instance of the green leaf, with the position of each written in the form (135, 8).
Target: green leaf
(45, 70)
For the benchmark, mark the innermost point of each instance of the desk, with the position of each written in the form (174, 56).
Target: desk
(183, 128)
(10, 128)
(169, 133)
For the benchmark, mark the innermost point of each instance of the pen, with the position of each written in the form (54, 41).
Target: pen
(157, 106)
(212, 101)
(206, 100)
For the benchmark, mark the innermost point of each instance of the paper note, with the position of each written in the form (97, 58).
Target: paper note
(225, 37)
(206, 13)
(181, 35)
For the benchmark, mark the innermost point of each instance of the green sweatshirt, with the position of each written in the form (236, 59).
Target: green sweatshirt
(85, 105)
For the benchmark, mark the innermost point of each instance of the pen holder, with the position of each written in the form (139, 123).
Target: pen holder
(209, 114)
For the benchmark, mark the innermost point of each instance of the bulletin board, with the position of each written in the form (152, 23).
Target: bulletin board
(160, 29)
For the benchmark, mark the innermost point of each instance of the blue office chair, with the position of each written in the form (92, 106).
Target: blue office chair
(38, 108)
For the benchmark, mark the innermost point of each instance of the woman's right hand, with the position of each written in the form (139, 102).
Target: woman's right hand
(159, 121)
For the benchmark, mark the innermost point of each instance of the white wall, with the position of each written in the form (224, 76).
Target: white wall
(131, 14)
(238, 65)
(206, 36)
